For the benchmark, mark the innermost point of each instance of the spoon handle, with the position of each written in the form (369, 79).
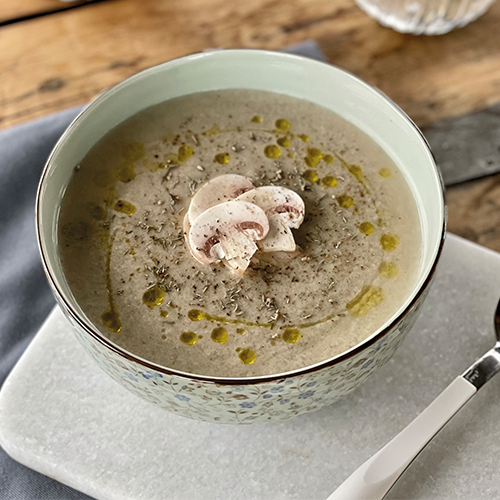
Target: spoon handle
(377, 475)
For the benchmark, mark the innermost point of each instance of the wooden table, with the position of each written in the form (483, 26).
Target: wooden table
(54, 55)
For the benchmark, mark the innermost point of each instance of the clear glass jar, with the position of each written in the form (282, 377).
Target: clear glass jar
(429, 17)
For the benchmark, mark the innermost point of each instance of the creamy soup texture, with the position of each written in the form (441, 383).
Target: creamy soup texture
(125, 257)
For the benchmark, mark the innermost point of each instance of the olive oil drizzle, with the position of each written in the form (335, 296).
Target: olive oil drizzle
(198, 315)
(110, 318)
(313, 157)
(215, 130)
(366, 300)
(354, 170)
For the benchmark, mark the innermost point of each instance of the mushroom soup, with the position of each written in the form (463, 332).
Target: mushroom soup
(238, 233)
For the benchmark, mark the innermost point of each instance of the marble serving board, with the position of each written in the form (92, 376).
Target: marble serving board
(60, 415)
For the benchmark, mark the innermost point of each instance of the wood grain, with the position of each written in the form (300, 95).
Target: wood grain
(474, 211)
(11, 10)
(55, 61)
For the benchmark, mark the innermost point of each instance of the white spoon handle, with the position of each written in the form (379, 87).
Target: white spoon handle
(377, 475)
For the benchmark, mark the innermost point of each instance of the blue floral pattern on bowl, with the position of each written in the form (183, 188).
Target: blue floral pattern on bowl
(250, 402)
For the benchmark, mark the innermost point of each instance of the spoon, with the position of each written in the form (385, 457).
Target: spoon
(377, 475)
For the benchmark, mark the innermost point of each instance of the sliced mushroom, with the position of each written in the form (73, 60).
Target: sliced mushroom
(284, 209)
(279, 238)
(228, 232)
(186, 227)
(218, 190)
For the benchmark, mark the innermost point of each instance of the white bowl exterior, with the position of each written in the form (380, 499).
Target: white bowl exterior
(296, 76)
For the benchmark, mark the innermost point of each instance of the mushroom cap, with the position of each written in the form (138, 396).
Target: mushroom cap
(228, 231)
(277, 200)
(218, 190)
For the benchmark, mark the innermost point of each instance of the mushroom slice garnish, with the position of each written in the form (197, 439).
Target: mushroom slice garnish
(228, 232)
(284, 209)
(279, 238)
(219, 190)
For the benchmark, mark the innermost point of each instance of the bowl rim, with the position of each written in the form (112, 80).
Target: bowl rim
(91, 330)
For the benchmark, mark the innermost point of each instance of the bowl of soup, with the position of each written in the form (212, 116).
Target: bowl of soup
(241, 236)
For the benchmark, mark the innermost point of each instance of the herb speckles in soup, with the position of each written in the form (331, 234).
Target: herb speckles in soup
(125, 258)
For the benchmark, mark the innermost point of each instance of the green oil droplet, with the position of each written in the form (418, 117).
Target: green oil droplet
(240, 331)
(345, 201)
(188, 338)
(133, 151)
(195, 315)
(272, 151)
(257, 119)
(366, 228)
(284, 142)
(310, 176)
(222, 158)
(380, 222)
(185, 152)
(356, 172)
(385, 173)
(328, 181)
(328, 159)
(389, 242)
(96, 211)
(369, 298)
(111, 321)
(153, 296)
(304, 137)
(314, 156)
(388, 269)
(282, 124)
(126, 173)
(170, 158)
(219, 335)
(124, 207)
(247, 356)
(164, 314)
(291, 335)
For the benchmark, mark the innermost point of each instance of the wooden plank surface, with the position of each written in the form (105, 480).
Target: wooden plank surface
(474, 211)
(73, 55)
(11, 10)
(63, 59)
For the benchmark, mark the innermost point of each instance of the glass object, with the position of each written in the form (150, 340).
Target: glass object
(428, 17)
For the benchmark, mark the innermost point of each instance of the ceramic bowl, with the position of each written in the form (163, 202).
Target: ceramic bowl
(266, 398)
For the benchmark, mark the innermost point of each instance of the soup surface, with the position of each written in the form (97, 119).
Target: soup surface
(125, 257)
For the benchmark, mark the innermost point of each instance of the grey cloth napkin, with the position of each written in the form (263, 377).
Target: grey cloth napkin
(25, 296)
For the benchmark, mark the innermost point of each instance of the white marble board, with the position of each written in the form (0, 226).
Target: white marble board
(60, 415)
